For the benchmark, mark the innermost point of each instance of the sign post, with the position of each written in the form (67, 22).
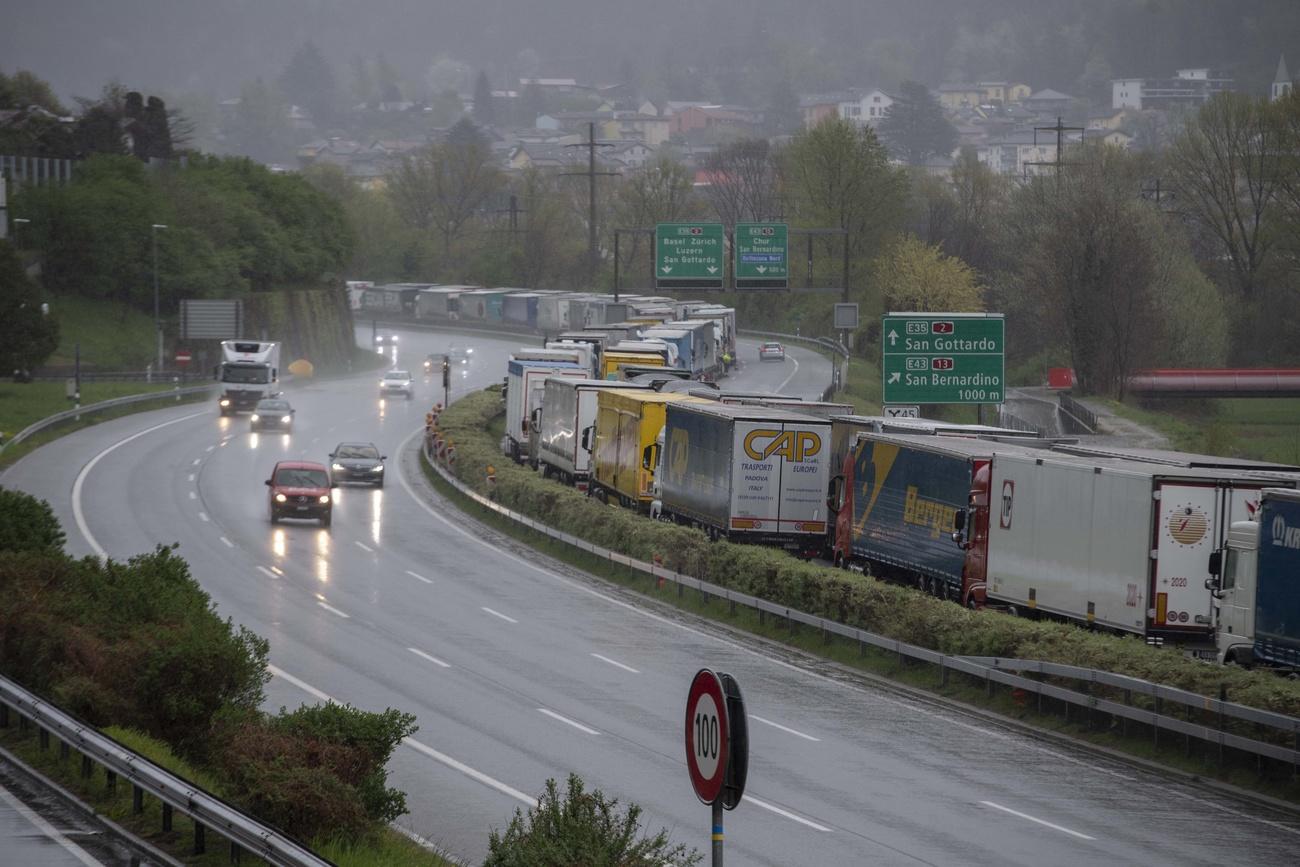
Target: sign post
(943, 358)
(717, 746)
(761, 256)
(689, 256)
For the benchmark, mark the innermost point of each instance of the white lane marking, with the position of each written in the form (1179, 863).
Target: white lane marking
(768, 722)
(418, 576)
(203, 516)
(278, 571)
(197, 461)
(435, 660)
(193, 495)
(499, 614)
(1036, 820)
(209, 448)
(90, 465)
(48, 830)
(429, 751)
(616, 664)
(564, 719)
(787, 814)
(332, 610)
(191, 478)
(227, 542)
(267, 572)
(786, 381)
(363, 546)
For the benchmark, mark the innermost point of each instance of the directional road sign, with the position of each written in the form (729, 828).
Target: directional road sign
(689, 256)
(706, 735)
(943, 358)
(762, 256)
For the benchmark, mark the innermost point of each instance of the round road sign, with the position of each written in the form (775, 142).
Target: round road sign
(707, 735)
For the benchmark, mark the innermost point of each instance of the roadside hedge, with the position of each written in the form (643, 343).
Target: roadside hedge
(846, 597)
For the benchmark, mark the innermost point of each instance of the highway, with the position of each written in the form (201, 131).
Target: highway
(519, 669)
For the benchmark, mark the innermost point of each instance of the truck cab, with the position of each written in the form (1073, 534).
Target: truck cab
(249, 371)
(1233, 568)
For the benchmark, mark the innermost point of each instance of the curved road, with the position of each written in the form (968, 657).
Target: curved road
(519, 669)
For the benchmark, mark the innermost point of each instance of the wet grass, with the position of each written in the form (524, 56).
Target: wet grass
(1265, 429)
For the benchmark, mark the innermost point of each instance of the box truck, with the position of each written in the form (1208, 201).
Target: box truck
(249, 371)
(569, 408)
(526, 373)
(746, 473)
(627, 421)
(1256, 585)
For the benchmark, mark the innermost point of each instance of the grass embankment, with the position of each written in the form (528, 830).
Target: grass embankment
(885, 609)
(112, 336)
(1265, 429)
(863, 386)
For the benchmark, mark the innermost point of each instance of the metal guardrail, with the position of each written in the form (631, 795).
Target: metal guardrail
(66, 415)
(244, 832)
(991, 670)
(1011, 420)
(1077, 416)
(822, 342)
(56, 375)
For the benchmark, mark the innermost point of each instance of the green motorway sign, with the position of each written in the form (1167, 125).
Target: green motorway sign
(689, 256)
(762, 255)
(943, 358)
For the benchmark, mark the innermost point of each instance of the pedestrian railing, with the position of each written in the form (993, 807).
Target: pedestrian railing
(174, 394)
(1076, 418)
(206, 811)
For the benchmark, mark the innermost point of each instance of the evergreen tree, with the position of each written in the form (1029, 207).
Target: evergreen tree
(914, 127)
(27, 336)
(534, 102)
(308, 81)
(484, 109)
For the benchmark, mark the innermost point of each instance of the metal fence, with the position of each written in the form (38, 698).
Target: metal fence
(58, 418)
(1010, 420)
(1076, 418)
(207, 811)
(992, 671)
(55, 374)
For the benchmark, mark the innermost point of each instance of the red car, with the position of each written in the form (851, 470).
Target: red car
(301, 489)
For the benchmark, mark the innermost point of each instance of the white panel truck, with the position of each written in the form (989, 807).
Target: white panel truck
(249, 371)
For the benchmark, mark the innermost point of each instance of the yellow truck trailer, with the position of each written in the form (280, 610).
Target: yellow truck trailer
(614, 360)
(627, 421)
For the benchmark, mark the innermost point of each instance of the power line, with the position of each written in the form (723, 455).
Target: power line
(591, 174)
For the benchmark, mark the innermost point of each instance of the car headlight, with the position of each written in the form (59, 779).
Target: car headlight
(378, 469)
(280, 498)
(284, 418)
(336, 467)
(393, 338)
(469, 351)
(324, 498)
(225, 401)
(254, 417)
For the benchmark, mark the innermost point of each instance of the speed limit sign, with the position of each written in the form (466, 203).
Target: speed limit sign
(707, 735)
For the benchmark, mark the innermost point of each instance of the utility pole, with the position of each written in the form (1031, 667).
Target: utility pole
(514, 211)
(1060, 129)
(591, 174)
(157, 318)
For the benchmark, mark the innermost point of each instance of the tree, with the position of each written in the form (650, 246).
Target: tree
(743, 182)
(308, 81)
(260, 127)
(662, 191)
(23, 89)
(581, 828)
(484, 107)
(914, 126)
(782, 115)
(27, 336)
(914, 275)
(550, 245)
(534, 102)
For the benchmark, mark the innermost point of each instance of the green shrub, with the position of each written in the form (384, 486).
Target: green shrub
(581, 828)
(28, 524)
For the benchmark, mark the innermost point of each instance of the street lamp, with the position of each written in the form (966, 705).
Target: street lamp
(16, 221)
(157, 318)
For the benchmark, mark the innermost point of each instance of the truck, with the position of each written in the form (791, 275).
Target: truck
(249, 371)
(1255, 582)
(744, 473)
(627, 421)
(526, 373)
(679, 338)
(1113, 543)
(613, 360)
(569, 408)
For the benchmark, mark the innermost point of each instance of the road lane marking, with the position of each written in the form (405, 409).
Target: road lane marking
(191, 478)
(499, 614)
(332, 610)
(616, 664)
(193, 495)
(203, 516)
(267, 572)
(435, 660)
(227, 542)
(564, 719)
(418, 577)
(80, 482)
(48, 830)
(787, 814)
(363, 546)
(197, 461)
(278, 571)
(786, 382)
(768, 722)
(1036, 820)
(443, 758)
(210, 448)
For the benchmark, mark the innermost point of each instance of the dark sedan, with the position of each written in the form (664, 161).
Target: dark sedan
(358, 462)
(271, 413)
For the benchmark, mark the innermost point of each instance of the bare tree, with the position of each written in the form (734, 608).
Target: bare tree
(661, 192)
(743, 182)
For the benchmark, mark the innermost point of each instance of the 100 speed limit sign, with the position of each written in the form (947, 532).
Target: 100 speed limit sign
(707, 735)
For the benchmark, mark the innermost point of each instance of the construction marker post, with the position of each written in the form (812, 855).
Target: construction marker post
(446, 380)
(717, 746)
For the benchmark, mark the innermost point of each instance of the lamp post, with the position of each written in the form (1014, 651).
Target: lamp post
(157, 318)
(16, 221)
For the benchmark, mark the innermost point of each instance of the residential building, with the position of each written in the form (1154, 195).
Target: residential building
(1189, 87)
(960, 94)
(1048, 103)
(701, 118)
(1022, 153)
(1282, 82)
(818, 107)
(866, 108)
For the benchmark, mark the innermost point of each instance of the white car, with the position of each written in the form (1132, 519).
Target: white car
(771, 351)
(397, 382)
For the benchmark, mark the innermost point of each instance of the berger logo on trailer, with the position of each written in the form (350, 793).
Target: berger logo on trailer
(794, 446)
(1008, 494)
(1284, 536)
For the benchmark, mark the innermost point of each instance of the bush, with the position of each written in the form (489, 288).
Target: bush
(584, 829)
(28, 524)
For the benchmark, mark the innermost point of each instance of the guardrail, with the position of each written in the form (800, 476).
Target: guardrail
(60, 417)
(1077, 418)
(839, 372)
(244, 833)
(56, 375)
(990, 670)
(1011, 420)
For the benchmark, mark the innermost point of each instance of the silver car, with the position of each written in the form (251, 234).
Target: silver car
(397, 382)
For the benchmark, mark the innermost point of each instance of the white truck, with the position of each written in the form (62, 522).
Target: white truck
(526, 373)
(249, 371)
(569, 408)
